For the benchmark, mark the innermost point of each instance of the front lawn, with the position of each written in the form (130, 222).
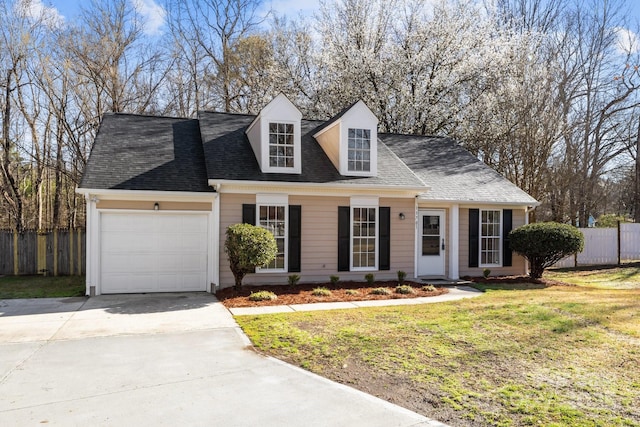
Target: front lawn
(626, 276)
(41, 287)
(520, 355)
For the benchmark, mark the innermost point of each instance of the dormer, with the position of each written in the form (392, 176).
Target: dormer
(275, 137)
(350, 140)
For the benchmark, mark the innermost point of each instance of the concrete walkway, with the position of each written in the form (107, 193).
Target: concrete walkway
(163, 359)
(455, 293)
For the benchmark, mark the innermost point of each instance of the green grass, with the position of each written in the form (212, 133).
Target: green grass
(626, 276)
(41, 287)
(517, 355)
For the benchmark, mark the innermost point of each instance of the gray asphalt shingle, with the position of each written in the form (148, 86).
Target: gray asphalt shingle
(452, 172)
(133, 152)
(229, 156)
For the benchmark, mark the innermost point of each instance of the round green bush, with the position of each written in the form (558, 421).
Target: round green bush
(380, 291)
(545, 243)
(247, 247)
(428, 288)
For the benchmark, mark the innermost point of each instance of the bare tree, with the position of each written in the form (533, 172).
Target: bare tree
(206, 33)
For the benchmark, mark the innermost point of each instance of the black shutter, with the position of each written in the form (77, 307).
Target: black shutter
(384, 254)
(295, 233)
(474, 237)
(344, 237)
(249, 214)
(507, 225)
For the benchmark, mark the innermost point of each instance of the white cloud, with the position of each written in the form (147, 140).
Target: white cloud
(627, 42)
(153, 15)
(36, 10)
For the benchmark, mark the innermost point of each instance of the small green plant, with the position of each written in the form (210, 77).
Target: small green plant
(381, 291)
(352, 292)
(404, 289)
(428, 288)
(262, 296)
(334, 279)
(321, 292)
(370, 278)
(293, 279)
(486, 272)
(401, 276)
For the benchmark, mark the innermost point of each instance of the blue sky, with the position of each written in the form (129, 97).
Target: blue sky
(154, 14)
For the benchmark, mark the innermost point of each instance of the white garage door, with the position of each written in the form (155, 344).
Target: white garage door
(153, 252)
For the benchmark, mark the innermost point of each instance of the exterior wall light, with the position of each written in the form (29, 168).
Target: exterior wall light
(156, 206)
(402, 217)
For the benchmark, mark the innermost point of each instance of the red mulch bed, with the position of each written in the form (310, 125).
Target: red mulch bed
(301, 294)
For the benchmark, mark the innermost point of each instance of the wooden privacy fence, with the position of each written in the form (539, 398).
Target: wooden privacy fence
(607, 246)
(54, 252)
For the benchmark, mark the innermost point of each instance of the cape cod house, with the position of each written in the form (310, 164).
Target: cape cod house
(340, 198)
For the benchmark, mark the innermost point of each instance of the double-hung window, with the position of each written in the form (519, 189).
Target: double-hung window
(272, 214)
(364, 235)
(490, 237)
(359, 150)
(281, 145)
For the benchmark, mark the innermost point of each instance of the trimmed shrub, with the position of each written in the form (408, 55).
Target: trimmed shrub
(247, 247)
(352, 292)
(380, 291)
(404, 289)
(262, 296)
(486, 272)
(293, 279)
(321, 292)
(428, 288)
(545, 243)
(401, 276)
(370, 278)
(334, 279)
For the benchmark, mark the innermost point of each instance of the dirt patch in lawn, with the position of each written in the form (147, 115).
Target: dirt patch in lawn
(303, 294)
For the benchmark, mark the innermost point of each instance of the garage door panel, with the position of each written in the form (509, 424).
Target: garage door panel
(153, 252)
(128, 242)
(129, 283)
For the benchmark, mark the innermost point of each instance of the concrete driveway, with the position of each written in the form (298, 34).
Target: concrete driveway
(165, 359)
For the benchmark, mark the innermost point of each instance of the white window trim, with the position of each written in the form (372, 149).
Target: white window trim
(352, 171)
(480, 237)
(297, 148)
(277, 200)
(364, 202)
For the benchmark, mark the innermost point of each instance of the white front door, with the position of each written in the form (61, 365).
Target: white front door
(431, 243)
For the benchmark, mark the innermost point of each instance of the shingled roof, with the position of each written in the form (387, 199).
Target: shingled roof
(452, 172)
(133, 152)
(229, 156)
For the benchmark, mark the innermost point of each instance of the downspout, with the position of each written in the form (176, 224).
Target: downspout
(215, 251)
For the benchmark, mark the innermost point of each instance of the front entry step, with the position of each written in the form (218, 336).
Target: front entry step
(442, 281)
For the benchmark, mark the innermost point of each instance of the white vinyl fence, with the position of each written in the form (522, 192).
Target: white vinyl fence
(601, 246)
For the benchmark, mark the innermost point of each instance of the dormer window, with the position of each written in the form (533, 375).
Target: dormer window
(359, 150)
(350, 141)
(275, 137)
(281, 146)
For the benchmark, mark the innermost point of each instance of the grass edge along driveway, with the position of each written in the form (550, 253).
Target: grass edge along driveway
(41, 286)
(556, 356)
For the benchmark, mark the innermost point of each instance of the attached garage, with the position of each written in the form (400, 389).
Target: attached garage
(153, 251)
